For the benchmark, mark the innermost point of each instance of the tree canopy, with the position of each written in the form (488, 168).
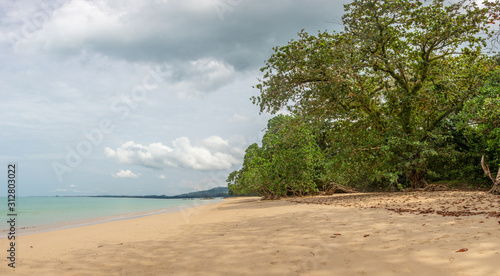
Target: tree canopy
(389, 85)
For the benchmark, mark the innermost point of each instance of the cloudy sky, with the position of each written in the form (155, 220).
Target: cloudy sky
(132, 97)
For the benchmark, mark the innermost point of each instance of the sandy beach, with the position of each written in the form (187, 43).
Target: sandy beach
(376, 234)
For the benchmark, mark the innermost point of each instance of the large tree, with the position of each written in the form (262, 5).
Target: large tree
(386, 83)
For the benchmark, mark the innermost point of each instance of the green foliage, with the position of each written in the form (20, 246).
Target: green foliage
(480, 119)
(386, 85)
(289, 162)
(471, 133)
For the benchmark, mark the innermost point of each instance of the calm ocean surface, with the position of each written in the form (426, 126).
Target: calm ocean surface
(39, 214)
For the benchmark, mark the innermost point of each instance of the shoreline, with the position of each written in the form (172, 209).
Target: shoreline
(55, 226)
(247, 236)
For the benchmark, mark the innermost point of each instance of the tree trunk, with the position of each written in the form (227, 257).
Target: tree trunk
(417, 180)
(496, 188)
(496, 181)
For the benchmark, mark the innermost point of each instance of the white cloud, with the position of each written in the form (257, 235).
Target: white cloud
(238, 118)
(125, 174)
(215, 143)
(173, 30)
(192, 79)
(214, 153)
(161, 176)
(74, 24)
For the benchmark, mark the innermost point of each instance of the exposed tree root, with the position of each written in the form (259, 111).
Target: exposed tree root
(496, 181)
(336, 188)
(495, 190)
(435, 187)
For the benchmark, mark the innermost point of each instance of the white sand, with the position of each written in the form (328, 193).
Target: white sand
(246, 236)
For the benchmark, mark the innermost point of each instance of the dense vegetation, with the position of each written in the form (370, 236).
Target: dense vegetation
(403, 95)
(290, 161)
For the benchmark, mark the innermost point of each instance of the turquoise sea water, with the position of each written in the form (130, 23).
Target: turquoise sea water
(37, 214)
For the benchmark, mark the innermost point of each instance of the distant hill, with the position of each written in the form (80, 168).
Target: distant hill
(215, 192)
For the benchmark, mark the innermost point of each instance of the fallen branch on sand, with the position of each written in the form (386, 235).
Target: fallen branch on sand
(435, 187)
